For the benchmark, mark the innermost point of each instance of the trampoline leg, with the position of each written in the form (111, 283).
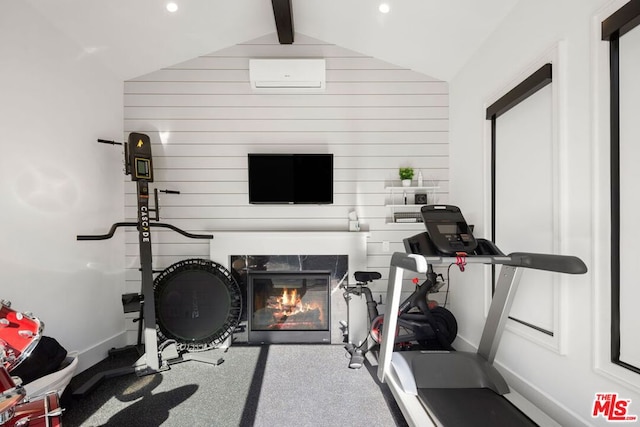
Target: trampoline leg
(205, 357)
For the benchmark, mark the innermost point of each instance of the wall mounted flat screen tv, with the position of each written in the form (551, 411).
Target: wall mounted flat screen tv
(290, 178)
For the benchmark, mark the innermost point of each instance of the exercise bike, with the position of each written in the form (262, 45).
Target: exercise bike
(422, 324)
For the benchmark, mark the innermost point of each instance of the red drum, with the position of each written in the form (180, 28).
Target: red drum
(19, 335)
(43, 411)
(10, 395)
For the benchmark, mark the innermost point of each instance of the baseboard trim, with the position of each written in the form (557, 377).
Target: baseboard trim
(91, 356)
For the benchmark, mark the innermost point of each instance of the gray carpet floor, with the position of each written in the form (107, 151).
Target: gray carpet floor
(269, 385)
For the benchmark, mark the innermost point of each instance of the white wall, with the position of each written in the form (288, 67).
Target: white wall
(203, 119)
(57, 182)
(561, 381)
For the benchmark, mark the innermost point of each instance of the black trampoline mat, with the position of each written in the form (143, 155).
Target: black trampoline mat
(198, 304)
(193, 305)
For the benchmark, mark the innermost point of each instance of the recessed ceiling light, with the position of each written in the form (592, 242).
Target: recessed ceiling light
(384, 8)
(172, 7)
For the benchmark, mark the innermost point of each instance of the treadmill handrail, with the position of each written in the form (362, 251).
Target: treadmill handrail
(548, 262)
(418, 263)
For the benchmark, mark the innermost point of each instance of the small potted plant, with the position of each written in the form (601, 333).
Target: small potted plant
(406, 175)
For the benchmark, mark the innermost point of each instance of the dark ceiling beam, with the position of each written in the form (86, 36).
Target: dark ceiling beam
(284, 20)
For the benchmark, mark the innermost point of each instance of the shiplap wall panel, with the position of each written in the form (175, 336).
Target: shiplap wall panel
(341, 151)
(241, 88)
(286, 100)
(203, 119)
(224, 174)
(242, 75)
(252, 212)
(233, 162)
(195, 200)
(285, 124)
(296, 50)
(333, 63)
(318, 221)
(235, 188)
(294, 138)
(332, 113)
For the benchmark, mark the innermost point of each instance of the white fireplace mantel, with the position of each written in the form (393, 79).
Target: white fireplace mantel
(350, 243)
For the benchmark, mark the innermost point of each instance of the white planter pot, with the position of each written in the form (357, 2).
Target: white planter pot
(406, 183)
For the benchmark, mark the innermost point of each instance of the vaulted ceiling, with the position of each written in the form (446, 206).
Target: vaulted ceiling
(134, 37)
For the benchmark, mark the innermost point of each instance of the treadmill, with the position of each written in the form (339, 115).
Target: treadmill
(456, 388)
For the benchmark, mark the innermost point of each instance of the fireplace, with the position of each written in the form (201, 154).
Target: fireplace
(288, 306)
(341, 252)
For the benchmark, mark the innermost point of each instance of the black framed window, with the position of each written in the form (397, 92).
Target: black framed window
(617, 29)
(505, 160)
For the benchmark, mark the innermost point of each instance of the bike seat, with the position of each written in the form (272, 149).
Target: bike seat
(366, 276)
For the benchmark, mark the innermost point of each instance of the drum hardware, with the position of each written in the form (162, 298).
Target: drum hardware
(11, 393)
(43, 411)
(20, 333)
(139, 164)
(26, 360)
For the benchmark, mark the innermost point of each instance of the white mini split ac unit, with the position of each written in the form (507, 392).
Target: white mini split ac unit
(287, 75)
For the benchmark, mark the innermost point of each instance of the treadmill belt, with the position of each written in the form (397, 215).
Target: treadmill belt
(475, 407)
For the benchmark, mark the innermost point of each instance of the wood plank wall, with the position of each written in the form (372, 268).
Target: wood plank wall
(203, 119)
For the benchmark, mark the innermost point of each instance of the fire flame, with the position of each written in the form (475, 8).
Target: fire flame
(291, 303)
(290, 299)
(288, 309)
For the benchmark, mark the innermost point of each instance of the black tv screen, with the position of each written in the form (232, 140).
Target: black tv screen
(290, 178)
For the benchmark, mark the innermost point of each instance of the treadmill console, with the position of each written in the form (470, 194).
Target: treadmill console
(448, 229)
